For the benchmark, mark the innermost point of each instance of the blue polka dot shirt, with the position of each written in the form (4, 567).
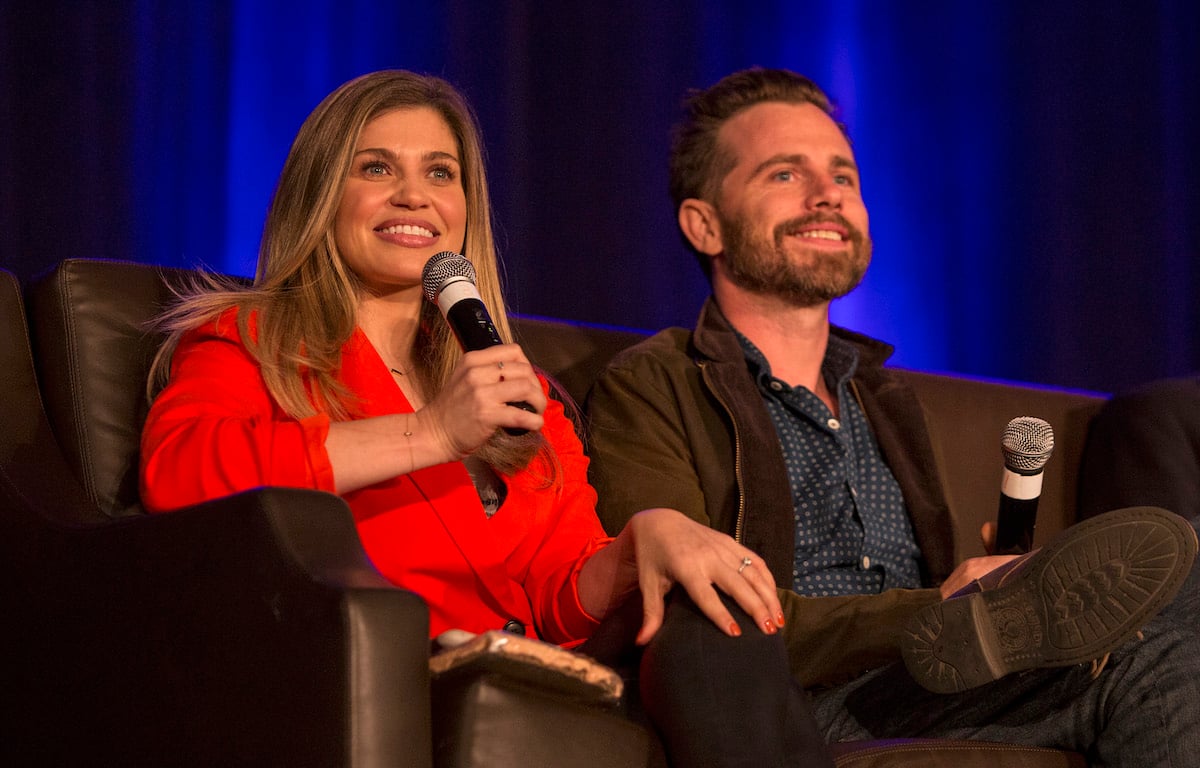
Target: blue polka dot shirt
(853, 534)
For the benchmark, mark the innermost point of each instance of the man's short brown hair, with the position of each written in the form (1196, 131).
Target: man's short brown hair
(697, 162)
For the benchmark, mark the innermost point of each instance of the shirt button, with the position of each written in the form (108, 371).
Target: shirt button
(866, 562)
(834, 424)
(515, 627)
(775, 385)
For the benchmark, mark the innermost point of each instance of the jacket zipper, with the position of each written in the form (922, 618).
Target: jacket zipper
(737, 452)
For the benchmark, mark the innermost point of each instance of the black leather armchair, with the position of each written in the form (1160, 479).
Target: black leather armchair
(249, 630)
(253, 629)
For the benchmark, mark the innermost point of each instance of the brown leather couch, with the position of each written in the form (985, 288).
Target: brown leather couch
(254, 630)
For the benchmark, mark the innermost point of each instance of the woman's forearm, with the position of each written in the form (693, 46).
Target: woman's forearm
(367, 451)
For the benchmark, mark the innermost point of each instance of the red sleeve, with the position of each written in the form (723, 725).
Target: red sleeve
(216, 420)
(571, 535)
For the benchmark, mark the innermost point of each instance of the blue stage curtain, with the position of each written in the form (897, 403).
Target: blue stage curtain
(1031, 167)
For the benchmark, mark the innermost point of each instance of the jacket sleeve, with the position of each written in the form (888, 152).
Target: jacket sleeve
(568, 534)
(639, 449)
(216, 419)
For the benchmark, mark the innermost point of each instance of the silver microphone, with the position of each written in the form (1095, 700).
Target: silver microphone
(1027, 443)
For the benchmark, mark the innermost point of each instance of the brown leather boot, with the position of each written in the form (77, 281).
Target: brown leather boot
(1088, 590)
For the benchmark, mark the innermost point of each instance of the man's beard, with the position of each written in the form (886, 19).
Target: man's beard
(804, 277)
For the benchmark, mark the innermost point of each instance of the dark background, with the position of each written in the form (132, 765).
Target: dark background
(1030, 167)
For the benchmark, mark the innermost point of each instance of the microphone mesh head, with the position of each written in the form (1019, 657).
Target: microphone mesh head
(1027, 444)
(441, 269)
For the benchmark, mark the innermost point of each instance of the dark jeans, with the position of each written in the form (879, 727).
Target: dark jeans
(714, 700)
(1142, 709)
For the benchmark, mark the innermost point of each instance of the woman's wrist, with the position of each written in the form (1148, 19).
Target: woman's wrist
(425, 436)
(608, 576)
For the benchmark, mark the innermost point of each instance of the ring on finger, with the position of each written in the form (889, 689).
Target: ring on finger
(746, 561)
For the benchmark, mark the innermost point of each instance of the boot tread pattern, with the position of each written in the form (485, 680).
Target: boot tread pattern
(1081, 596)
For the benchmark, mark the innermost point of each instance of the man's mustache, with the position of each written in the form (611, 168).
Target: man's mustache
(791, 225)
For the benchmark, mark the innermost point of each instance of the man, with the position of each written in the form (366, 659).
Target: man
(772, 425)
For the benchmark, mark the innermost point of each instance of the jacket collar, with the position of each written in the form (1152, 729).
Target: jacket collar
(714, 339)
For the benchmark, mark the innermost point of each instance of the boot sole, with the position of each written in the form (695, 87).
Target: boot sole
(1082, 595)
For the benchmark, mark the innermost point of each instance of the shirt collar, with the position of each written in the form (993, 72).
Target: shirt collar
(838, 366)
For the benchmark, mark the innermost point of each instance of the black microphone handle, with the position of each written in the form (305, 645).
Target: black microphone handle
(1015, 524)
(471, 323)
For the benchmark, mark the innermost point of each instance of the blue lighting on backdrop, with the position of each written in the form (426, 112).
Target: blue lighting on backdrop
(964, 118)
(282, 62)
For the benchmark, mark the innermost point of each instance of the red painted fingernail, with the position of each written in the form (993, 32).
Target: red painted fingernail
(779, 619)
(769, 627)
(734, 629)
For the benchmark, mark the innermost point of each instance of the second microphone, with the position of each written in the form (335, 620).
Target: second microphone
(1027, 443)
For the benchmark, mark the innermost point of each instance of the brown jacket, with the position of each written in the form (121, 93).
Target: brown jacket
(676, 421)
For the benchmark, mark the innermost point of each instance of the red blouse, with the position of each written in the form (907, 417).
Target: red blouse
(425, 531)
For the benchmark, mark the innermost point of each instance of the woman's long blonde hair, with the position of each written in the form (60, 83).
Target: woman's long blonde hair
(304, 298)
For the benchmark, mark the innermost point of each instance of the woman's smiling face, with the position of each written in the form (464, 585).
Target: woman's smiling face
(403, 200)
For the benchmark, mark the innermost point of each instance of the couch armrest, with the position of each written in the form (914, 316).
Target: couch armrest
(248, 630)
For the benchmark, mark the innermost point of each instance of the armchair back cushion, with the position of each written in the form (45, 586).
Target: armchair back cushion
(90, 321)
(30, 464)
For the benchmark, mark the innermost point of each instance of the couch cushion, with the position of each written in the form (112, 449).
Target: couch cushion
(966, 418)
(949, 753)
(574, 354)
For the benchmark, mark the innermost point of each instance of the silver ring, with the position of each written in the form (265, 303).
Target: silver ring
(745, 562)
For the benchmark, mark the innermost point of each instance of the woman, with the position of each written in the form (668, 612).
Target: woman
(332, 372)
